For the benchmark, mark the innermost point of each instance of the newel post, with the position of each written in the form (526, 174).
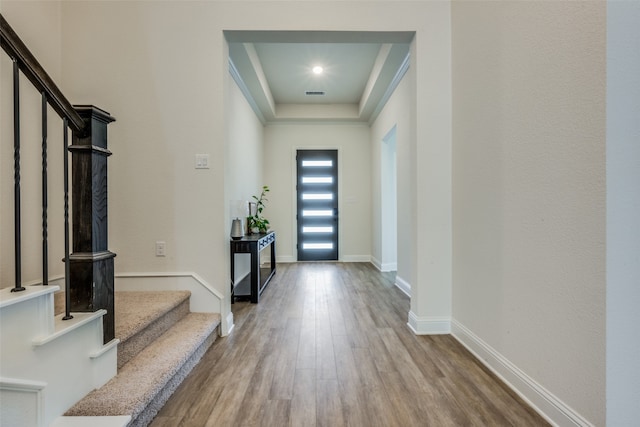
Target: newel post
(91, 262)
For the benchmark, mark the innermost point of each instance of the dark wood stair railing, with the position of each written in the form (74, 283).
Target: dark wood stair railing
(89, 270)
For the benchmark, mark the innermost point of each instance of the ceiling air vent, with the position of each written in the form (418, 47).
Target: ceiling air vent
(314, 93)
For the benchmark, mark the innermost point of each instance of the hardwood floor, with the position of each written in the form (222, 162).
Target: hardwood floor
(328, 345)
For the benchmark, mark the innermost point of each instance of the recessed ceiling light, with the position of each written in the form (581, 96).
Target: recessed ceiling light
(317, 69)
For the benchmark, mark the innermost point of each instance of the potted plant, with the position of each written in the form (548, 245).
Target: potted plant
(257, 221)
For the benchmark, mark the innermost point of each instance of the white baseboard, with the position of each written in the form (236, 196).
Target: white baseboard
(384, 267)
(285, 259)
(403, 285)
(389, 266)
(376, 263)
(544, 402)
(228, 328)
(429, 325)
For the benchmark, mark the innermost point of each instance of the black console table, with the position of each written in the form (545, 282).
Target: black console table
(252, 286)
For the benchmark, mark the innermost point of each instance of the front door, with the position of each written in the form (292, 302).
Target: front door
(317, 212)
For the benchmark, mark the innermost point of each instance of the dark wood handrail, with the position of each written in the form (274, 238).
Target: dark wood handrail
(32, 69)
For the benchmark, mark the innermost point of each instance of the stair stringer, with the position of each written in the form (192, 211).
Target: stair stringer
(65, 359)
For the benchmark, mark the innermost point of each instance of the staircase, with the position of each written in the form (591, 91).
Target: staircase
(160, 342)
(52, 357)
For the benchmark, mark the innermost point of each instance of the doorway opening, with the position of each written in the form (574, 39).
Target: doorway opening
(389, 203)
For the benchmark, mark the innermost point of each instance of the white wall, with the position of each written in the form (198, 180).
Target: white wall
(397, 112)
(623, 211)
(161, 69)
(24, 17)
(529, 191)
(152, 66)
(245, 153)
(354, 194)
(246, 135)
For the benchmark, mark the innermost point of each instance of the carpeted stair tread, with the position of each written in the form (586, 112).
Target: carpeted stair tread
(141, 317)
(148, 373)
(135, 310)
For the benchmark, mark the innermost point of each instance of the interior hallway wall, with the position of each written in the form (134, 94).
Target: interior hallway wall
(245, 153)
(529, 192)
(24, 18)
(354, 188)
(152, 65)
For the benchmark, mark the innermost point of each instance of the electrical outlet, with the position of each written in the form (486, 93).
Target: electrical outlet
(161, 249)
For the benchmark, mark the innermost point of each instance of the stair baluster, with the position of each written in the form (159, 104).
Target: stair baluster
(17, 287)
(67, 262)
(45, 197)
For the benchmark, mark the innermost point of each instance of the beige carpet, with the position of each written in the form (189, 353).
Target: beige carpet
(135, 310)
(141, 317)
(177, 341)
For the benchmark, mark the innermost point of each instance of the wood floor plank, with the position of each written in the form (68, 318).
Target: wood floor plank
(443, 410)
(306, 356)
(325, 357)
(336, 318)
(415, 351)
(284, 373)
(329, 411)
(413, 378)
(307, 344)
(346, 367)
(328, 345)
(411, 400)
(160, 421)
(226, 407)
(276, 413)
(303, 403)
(378, 405)
(258, 389)
(351, 326)
(185, 422)
(353, 398)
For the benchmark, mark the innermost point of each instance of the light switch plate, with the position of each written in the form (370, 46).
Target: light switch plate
(161, 248)
(202, 161)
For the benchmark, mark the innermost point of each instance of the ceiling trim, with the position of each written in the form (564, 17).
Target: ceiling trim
(404, 67)
(242, 36)
(245, 91)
